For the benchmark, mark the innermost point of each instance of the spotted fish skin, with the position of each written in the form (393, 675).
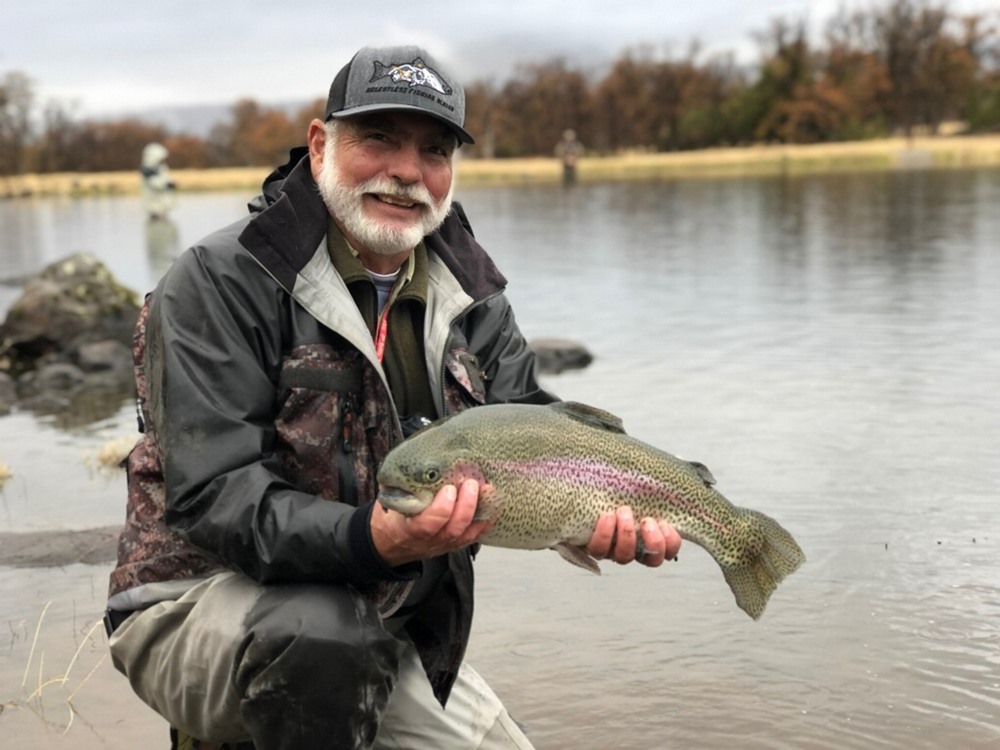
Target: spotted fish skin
(554, 469)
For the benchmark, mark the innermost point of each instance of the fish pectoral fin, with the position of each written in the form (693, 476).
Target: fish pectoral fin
(578, 556)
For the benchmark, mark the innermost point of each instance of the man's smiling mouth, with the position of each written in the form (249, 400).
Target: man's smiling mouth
(394, 200)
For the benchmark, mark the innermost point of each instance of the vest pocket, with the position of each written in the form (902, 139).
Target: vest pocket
(319, 428)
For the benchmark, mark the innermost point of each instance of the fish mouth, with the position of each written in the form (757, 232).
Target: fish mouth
(400, 500)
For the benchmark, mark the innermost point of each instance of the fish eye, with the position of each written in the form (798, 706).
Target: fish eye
(431, 475)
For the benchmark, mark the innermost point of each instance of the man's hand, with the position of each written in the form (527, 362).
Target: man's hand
(443, 526)
(615, 537)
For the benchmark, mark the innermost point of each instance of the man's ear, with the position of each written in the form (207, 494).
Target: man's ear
(316, 138)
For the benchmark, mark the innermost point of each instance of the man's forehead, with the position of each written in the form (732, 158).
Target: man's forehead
(398, 121)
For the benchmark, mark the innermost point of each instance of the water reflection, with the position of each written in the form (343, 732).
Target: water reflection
(162, 244)
(825, 344)
(73, 410)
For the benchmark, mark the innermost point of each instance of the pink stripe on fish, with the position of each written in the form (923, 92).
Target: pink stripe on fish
(589, 473)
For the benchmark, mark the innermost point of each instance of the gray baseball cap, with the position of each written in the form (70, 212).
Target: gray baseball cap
(398, 78)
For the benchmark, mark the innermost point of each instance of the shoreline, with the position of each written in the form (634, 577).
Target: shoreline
(889, 154)
(57, 548)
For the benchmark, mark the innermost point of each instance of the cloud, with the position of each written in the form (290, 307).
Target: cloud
(127, 55)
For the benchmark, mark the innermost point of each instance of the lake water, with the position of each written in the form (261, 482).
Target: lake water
(828, 346)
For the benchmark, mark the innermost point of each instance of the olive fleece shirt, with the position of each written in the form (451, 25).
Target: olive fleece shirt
(404, 348)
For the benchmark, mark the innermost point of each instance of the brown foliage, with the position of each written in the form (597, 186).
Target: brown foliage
(189, 152)
(255, 135)
(893, 67)
(104, 146)
(531, 112)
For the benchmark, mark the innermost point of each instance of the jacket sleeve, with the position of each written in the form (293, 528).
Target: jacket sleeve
(213, 348)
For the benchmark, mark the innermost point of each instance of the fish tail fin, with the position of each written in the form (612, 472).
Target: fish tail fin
(775, 556)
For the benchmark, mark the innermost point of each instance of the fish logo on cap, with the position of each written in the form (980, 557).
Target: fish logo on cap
(414, 73)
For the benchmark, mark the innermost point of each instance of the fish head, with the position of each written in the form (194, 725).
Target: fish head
(415, 470)
(408, 479)
(408, 487)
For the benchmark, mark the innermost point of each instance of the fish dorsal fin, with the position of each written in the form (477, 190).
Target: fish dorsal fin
(590, 415)
(703, 472)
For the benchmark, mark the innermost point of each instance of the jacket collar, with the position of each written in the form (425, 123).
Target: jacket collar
(290, 223)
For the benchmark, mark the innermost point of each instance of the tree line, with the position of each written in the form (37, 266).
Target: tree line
(898, 67)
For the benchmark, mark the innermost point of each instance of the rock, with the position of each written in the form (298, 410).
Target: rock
(58, 376)
(71, 303)
(67, 338)
(105, 357)
(46, 402)
(555, 355)
(8, 393)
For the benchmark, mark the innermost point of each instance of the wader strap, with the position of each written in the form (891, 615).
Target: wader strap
(333, 381)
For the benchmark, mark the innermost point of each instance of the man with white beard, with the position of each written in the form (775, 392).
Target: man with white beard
(259, 595)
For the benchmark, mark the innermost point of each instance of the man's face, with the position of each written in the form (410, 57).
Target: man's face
(387, 179)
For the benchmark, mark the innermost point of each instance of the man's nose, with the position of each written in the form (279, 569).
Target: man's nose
(405, 164)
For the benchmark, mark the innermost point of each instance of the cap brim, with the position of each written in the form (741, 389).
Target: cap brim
(462, 133)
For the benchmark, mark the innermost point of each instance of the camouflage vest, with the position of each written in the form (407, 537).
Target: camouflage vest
(331, 407)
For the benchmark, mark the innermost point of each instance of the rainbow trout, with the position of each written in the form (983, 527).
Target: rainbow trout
(554, 469)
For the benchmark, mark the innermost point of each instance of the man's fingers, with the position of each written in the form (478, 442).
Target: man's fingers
(463, 510)
(603, 536)
(436, 515)
(652, 546)
(658, 541)
(448, 522)
(625, 536)
(616, 536)
(672, 541)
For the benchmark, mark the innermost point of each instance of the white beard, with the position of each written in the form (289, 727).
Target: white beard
(346, 204)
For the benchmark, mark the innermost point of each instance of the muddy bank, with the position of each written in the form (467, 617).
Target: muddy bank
(55, 549)
(58, 687)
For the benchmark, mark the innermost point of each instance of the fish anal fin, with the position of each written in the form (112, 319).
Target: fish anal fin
(578, 556)
(590, 415)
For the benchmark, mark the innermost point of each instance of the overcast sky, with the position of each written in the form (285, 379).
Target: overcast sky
(118, 56)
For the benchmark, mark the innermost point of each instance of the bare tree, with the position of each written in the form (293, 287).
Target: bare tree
(57, 149)
(930, 73)
(17, 98)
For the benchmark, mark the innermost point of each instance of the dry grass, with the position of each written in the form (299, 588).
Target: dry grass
(890, 153)
(109, 456)
(106, 459)
(896, 153)
(42, 690)
(76, 184)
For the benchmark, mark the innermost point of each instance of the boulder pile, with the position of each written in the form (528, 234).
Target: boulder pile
(70, 329)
